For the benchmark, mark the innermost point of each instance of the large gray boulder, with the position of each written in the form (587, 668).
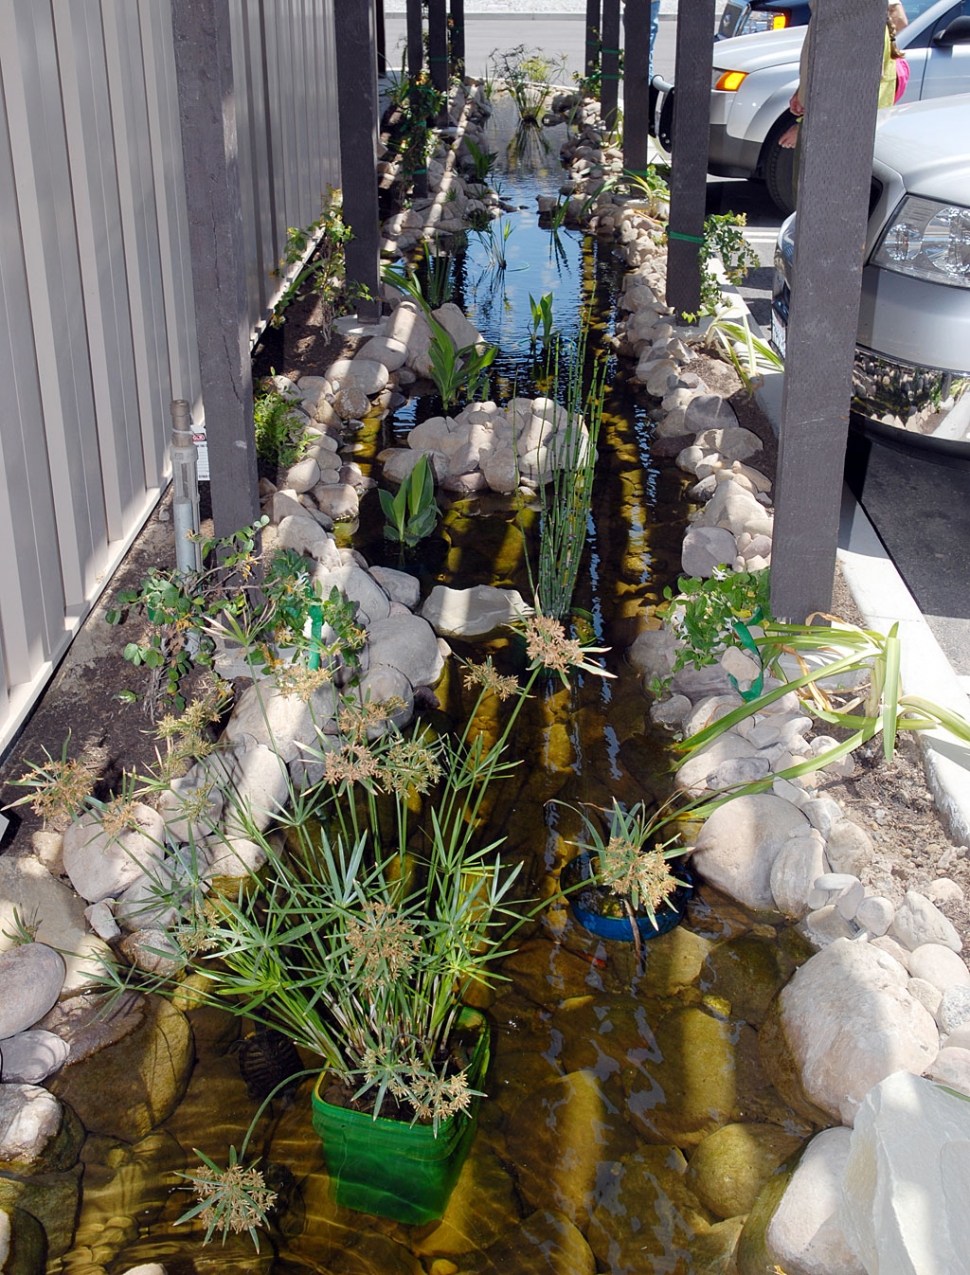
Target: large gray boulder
(102, 864)
(472, 612)
(356, 585)
(919, 921)
(904, 1206)
(737, 846)
(27, 887)
(31, 978)
(848, 1021)
(407, 643)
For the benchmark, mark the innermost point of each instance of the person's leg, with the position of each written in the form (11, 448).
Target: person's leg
(654, 28)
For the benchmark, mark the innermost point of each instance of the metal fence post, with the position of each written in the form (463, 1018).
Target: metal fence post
(203, 61)
(833, 196)
(636, 86)
(359, 121)
(689, 144)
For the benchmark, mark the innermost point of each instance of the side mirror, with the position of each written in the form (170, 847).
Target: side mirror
(956, 32)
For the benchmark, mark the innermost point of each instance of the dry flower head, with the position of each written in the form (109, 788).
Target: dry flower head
(486, 676)
(240, 1197)
(384, 942)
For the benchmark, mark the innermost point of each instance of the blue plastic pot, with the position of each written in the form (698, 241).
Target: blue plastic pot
(618, 928)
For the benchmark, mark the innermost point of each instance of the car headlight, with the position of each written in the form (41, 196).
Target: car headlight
(727, 81)
(766, 21)
(928, 240)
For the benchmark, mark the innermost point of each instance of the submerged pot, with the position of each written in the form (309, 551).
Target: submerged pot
(588, 901)
(393, 1169)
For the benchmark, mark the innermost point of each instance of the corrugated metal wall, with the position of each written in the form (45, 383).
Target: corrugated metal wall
(97, 330)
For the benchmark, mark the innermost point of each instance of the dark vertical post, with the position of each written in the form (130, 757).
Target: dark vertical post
(458, 38)
(610, 62)
(844, 66)
(593, 31)
(358, 110)
(438, 43)
(438, 50)
(689, 145)
(381, 38)
(415, 34)
(636, 85)
(207, 115)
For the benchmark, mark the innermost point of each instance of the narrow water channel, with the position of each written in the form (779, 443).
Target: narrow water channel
(604, 1076)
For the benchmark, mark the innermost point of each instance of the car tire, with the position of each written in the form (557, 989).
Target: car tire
(778, 167)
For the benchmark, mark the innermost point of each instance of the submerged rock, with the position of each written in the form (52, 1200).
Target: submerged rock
(571, 1111)
(730, 1167)
(646, 1217)
(136, 1084)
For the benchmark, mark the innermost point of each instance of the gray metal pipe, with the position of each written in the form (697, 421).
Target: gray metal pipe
(185, 478)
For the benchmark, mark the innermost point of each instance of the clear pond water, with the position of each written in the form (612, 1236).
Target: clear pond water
(605, 1078)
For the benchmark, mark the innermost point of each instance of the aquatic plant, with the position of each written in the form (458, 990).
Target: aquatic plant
(412, 512)
(359, 937)
(453, 368)
(750, 356)
(828, 655)
(526, 75)
(568, 496)
(483, 161)
(542, 318)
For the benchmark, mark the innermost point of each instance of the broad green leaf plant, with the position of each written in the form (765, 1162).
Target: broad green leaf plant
(412, 512)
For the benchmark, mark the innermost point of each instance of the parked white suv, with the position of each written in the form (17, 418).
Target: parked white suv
(912, 367)
(754, 76)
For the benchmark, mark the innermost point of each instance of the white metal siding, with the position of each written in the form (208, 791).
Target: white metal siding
(97, 327)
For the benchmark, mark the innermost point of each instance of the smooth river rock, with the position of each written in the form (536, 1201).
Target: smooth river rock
(472, 612)
(100, 864)
(31, 978)
(729, 1168)
(737, 846)
(844, 1022)
(805, 1236)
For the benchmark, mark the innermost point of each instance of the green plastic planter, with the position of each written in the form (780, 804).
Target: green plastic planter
(392, 1169)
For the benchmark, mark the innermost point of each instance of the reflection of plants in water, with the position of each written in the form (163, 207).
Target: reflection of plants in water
(528, 145)
(526, 74)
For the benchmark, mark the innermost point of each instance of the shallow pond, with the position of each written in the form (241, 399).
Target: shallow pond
(605, 1078)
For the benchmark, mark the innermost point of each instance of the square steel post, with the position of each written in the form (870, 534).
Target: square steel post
(458, 38)
(636, 85)
(359, 114)
(381, 37)
(845, 60)
(689, 144)
(610, 62)
(593, 33)
(207, 116)
(415, 38)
